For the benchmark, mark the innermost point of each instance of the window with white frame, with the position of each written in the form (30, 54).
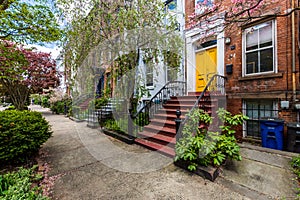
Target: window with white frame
(170, 8)
(257, 110)
(259, 48)
(149, 74)
(171, 73)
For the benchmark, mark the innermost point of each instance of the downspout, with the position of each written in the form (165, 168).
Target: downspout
(293, 53)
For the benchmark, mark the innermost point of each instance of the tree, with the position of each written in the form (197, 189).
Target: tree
(116, 34)
(28, 22)
(4, 4)
(24, 71)
(105, 20)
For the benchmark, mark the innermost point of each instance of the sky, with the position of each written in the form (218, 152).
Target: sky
(47, 48)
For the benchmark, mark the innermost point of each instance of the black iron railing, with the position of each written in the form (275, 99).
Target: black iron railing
(215, 86)
(143, 116)
(116, 112)
(80, 106)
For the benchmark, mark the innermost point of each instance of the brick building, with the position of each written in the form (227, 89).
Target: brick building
(259, 56)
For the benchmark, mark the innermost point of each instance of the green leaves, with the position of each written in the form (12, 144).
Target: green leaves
(24, 71)
(29, 23)
(295, 164)
(107, 20)
(18, 185)
(202, 147)
(21, 134)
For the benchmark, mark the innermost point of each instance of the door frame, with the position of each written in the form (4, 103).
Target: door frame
(205, 49)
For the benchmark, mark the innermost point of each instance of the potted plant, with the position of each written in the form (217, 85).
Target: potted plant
(207, 143)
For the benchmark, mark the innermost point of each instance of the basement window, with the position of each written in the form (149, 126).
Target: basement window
(257, 110)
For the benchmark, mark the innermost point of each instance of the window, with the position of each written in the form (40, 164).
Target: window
(202, 6)
(171, 5)
(149, 74)
(256, 110)
(170, 9)
(259, 48)
(171, 73)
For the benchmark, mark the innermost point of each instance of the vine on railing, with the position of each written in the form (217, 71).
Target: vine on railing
(215, 86)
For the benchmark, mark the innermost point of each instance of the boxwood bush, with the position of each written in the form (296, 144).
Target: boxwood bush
(21, 134)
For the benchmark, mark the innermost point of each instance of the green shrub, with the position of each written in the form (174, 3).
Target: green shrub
(45, 102)
(12, 107)
(198, 146)
(58, 107)
(18, 185)
(99, 102)
(111, 124)
(295, 164)
(36, 101)
(21, 134)
(142, 119)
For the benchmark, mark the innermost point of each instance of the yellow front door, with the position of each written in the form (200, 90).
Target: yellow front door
(206, 67)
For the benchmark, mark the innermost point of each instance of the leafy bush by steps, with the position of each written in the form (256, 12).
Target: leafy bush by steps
(18, 185)
(21, 134)
(199, 146)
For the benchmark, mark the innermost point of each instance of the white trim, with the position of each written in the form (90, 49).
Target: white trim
(274, 46)
(244, 122)
(191, 59)
(203, 49)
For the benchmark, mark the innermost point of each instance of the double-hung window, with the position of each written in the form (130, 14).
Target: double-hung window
(149, 74)
(259, 48)
(171, 73)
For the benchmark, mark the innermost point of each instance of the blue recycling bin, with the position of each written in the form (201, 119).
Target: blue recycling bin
(272, 133)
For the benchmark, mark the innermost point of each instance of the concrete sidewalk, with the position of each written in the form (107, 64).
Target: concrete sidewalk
(95, 166)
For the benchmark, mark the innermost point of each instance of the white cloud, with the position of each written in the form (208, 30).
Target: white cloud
(54, 50)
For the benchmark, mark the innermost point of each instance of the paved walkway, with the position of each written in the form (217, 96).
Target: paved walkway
(95, 166)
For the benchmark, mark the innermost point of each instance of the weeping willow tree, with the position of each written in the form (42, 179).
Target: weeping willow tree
(115, 35)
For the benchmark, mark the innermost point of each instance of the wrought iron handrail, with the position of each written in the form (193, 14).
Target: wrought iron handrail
(81, 98)
(172, 88)
(219, 87)
(165, 87)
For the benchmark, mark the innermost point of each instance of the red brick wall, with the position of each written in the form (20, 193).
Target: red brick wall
(271, 87)
(284, 60)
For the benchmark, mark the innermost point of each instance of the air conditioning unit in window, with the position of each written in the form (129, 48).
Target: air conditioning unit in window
(284, 104)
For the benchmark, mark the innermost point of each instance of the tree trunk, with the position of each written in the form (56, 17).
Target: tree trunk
(17, 92)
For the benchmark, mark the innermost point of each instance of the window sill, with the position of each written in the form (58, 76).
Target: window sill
(251, 140)
(150, 87)
(263, 76)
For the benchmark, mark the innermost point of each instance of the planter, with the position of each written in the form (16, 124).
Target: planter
(209, 172)
(119, 135)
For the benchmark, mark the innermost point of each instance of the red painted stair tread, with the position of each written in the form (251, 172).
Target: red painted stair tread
(155, 146)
